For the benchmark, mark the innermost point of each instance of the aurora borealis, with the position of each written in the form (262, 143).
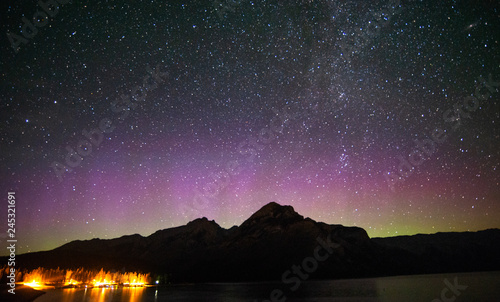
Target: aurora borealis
(183, 109)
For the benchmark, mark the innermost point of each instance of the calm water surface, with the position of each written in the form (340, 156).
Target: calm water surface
(480, 287)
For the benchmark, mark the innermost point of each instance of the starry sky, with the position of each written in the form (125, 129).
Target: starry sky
(129, 118)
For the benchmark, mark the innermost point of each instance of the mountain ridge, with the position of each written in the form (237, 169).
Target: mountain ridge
(268, 243)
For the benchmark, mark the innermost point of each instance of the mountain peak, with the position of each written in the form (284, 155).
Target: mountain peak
(274, 209)
(203, 222)
(273, 212)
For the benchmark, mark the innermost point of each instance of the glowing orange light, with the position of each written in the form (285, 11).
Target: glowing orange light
(83, 278)
(134, 283)
(33, 284)
(72, 282)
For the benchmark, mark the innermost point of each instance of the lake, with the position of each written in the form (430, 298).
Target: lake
(482, 286)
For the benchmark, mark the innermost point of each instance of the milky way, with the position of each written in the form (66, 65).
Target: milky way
(129, 118)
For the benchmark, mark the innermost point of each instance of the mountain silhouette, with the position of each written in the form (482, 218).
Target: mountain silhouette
(268, 245)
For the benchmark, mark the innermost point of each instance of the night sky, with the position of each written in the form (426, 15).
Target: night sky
(129, 118)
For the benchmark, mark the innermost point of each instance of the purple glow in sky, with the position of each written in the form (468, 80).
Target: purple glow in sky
(309, 104)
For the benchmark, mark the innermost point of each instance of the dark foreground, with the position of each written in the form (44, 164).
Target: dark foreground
(23, 293)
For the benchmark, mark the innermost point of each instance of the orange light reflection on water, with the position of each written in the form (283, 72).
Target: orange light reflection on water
(97, 294)
(131, 294)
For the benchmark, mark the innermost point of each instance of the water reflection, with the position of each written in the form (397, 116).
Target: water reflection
(123, 294)
(480, 287)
